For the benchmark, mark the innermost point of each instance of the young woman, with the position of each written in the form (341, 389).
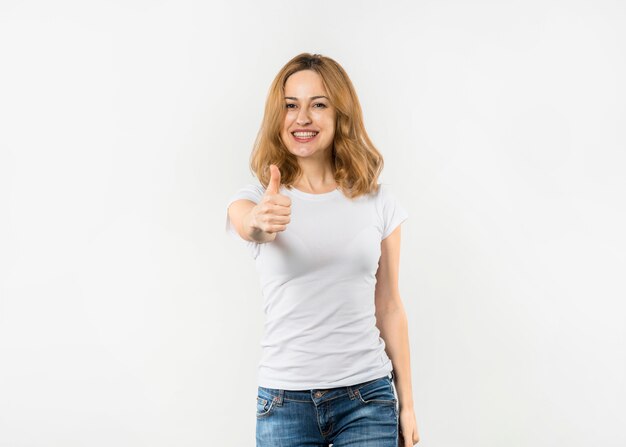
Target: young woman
(326, 239)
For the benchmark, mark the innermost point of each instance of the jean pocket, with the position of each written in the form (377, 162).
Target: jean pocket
(264, 405)
(379, 391)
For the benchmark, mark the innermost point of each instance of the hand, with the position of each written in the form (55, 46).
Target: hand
(273, 212)
(408, 435)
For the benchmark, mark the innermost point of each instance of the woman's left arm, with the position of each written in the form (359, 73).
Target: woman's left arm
(392, 323)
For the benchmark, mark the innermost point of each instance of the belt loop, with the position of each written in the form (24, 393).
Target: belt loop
(350, 389)
(280, 397)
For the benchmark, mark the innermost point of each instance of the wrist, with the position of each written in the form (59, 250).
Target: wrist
(254, 232)
(406, 405)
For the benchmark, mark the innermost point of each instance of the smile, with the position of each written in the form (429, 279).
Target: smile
(303, 137)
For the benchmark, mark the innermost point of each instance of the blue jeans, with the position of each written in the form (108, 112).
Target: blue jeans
(361, 415)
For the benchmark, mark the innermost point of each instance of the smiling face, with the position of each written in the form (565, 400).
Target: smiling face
(309, 115)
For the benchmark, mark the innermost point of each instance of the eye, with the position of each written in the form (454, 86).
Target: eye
(321, 104)
(287, 106)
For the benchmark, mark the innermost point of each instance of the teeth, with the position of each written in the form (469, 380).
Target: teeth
(305, 134)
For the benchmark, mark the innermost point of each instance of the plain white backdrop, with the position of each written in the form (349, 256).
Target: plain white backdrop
(128, 317)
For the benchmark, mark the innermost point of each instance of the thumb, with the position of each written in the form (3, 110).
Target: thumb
(274, 184)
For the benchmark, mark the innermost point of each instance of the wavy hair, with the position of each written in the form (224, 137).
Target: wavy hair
(356, 162)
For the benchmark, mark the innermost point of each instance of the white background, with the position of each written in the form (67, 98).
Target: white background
(128, 317)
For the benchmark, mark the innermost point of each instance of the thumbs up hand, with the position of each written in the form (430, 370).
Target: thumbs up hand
(273, 212)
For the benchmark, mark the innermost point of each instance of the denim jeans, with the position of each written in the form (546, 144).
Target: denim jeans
(361, 415)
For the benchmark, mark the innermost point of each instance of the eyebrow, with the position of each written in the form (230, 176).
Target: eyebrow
(312, 97)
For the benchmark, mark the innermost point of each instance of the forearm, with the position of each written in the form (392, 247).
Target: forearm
(393, 326)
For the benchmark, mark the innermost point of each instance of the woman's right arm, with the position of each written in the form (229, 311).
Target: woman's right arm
(241, 215)
(260, 222)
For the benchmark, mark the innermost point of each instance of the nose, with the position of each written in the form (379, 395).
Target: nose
(303, 116)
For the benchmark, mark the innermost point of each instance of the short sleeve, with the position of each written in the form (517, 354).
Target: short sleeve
(393, 213)
(249, 192)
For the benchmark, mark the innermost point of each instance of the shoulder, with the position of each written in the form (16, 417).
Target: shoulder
(250, 191)
(254, 187)
(384, 193)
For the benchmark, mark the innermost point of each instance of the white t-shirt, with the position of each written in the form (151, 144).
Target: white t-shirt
(318, 279)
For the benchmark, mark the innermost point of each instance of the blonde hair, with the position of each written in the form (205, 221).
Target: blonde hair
(356, 162)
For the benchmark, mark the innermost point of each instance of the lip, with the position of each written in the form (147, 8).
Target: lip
(305, 130)
(304, 140)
